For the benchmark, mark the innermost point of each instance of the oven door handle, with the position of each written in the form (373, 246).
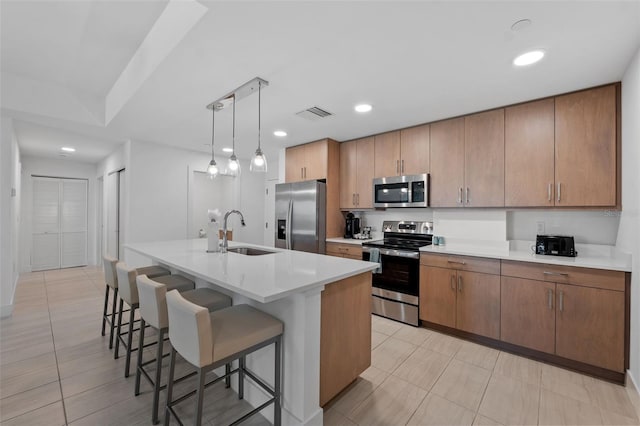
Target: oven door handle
(395, 253)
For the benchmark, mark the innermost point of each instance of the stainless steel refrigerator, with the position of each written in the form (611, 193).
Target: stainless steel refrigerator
(301, 216)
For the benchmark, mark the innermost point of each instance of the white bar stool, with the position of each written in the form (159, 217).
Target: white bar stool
(111, 282)
(153, 312)
(209, 340)
(129, 293)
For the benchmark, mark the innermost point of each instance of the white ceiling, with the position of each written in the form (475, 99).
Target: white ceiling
(414, 61)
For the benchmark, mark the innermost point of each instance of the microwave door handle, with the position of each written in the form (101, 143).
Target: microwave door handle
(289, 243)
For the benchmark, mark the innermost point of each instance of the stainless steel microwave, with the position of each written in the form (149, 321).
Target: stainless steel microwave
(401, 191)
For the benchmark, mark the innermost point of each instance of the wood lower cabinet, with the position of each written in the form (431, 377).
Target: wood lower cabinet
(528, 314)
(356, 174)
(590, 326)
(458, 298)
(351, 251)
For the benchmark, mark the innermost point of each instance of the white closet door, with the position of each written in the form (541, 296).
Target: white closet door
(73, 244)
(45, 253)
(112, 214)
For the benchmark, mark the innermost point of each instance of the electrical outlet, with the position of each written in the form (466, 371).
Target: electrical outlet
(540, 228)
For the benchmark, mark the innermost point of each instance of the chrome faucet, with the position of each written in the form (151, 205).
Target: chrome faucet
(225, 243)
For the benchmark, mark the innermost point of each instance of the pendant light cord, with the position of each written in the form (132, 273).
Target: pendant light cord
(259, 103)
(213, 130)
(233, 137)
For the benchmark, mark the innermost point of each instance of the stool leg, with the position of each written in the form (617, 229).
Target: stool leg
(227, 380)
(172, 368)
(104, 311)
(277, 411)
(119, 329)
(127, 364)
(241, 365)
(113, 317)
(199, 397)
(156, 382)
(140, 350)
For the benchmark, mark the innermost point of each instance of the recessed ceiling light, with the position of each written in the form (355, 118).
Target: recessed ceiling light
(363, 108)
(280, 133)
(68, 149)
(528, 58)
(227, 149)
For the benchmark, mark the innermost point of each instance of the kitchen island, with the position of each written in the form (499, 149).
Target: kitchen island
(324, 302)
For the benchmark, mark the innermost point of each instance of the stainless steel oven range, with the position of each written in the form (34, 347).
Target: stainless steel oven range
(396, 283)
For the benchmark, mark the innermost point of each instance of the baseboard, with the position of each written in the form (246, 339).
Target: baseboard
(6, 311)
(634, 392)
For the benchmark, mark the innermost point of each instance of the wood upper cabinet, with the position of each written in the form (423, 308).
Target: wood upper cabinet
(586, 148)
(306, 162)
(484, 159)
(528, 305)
(414, 150)
(404, 152)
(447, 163)
(387, 154)
(529, 154)
(590, 326)
(356, 173)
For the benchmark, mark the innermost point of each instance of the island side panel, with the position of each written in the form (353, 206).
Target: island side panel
(345, 333)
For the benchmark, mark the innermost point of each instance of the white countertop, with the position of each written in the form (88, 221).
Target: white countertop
(347, 241)
(589, 256)
(262, 278)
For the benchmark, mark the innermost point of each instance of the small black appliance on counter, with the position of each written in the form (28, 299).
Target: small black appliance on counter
(556, 245)
(352, 226)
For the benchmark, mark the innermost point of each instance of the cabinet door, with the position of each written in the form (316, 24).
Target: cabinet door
(585, 134)
(528, 153)
(447, 163)
(387, 154)
(478, 304)
(348, 173)
(364, 175)
(484, 159)
(316, 155)
(414, 150)
(590, 326)
(294, 164)
(438, 295)
(528, 314)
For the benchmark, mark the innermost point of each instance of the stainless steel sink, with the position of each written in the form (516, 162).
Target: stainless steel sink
(249, 251)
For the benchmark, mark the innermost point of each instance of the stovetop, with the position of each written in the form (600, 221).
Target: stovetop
(408, 236)
(399, 243)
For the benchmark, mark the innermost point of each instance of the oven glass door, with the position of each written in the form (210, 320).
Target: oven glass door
(392, 193)
(398, 274)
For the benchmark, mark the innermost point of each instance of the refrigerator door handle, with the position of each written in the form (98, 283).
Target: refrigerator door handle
(288, 226)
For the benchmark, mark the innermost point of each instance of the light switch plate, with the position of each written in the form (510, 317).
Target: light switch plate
(540, 228)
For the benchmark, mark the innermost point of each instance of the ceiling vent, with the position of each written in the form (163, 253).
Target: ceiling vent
(314, 113)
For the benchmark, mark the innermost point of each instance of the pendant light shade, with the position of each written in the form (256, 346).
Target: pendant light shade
(212, 169)
(233, 166)
(259, 161)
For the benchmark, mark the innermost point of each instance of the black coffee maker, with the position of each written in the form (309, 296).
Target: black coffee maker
(352, 226)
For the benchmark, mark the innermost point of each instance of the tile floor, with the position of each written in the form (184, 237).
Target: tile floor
(56, 369)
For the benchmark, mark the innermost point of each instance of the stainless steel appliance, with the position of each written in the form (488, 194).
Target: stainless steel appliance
(401, 191)
(556, 245)
(301, 216)
(395, 288)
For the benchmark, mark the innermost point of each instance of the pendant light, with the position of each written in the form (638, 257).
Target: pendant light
(212, 169)
(259, 161)
(233, 166)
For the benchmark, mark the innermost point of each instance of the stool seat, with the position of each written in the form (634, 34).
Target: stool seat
(239, 327)
(175, 282)
(207, 298)
(153, 271)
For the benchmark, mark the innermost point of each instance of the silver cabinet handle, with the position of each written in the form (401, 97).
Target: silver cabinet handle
(561, 274)
(549, 192)
(559, 191)
(305, 172)
(357, 199)
(353, 199)
(467, 195)
(453, 282)
(561, 306)
(460, 283)
(301, 172)
(550, 298)
(397, 167)
(456, 261)
(460, 195)
(402, 166)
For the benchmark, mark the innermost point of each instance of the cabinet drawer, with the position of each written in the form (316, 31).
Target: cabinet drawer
(463, 263)
(344, 250)
(597, 278)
